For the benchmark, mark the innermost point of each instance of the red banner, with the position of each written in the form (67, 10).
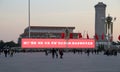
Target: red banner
(119, 37)
(57, 43)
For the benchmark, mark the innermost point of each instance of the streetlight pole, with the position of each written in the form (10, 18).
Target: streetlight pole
(29, 16)
(109, 28)
(67, 36)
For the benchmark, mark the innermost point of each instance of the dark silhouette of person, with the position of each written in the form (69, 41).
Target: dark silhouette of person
(107, 52)
(11, 53)
(88, 52)
(46, 52)
(115, 53)
(81, 51)
(95, 51)
(74, 51)
(54, 52)
(5, 52)
(92, 51)
(61, 54)
(98, 51)
(0, 51)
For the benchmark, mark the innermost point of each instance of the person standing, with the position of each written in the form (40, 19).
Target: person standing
(61, 54)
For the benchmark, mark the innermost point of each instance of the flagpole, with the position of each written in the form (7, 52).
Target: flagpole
(78, 34)
(29, 16)
(84, 33)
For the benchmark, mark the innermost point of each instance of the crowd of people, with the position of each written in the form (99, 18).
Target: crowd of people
(60, 52)
(7, 52)
(55, 52)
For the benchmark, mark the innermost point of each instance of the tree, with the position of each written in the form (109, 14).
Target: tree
(114, 43)
(11, 44)
(118, 43)
(1, 44)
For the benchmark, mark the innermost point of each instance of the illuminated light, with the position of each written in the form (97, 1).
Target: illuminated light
(40, 42)
(25, 42)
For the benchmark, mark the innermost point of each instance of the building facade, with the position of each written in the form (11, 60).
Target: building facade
(46, 32)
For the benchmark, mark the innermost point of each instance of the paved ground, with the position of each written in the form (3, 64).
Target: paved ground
(38, 62)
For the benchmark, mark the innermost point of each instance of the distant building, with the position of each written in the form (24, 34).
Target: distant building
(46, 32)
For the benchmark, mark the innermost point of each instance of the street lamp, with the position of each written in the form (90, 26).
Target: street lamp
(67, 33)
(29, 16)
(109, 28)
(67, 36)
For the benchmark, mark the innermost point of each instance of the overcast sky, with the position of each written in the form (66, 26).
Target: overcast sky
(78, 13)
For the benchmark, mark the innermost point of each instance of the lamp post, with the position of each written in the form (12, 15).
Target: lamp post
(109, 28)
(29, 16)
(67, 36)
